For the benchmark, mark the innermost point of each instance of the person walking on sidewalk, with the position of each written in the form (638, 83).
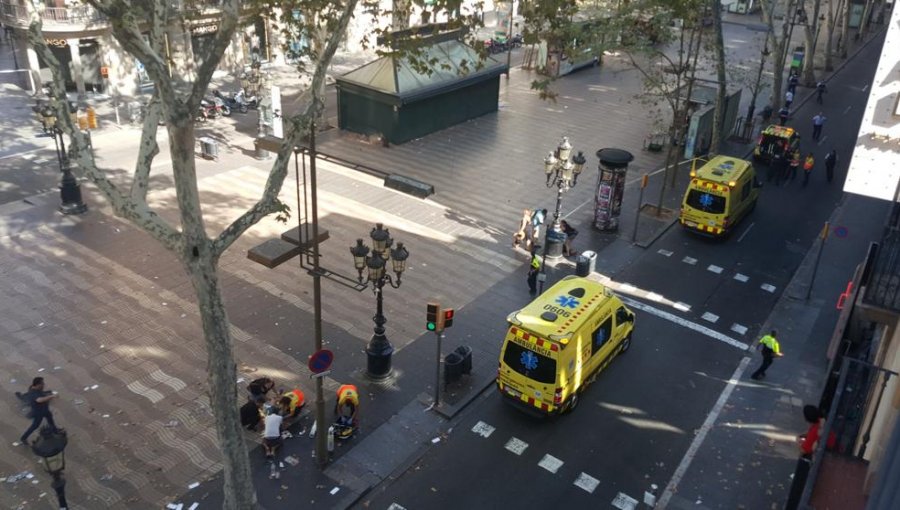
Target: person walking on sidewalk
(820, 90)
(521, 236)
(788, 98)
(818, 122)
(808, 165)
(537, 220)
(795, 163)
(770, 349)
(792, 83)
(533, 270)
(39, 398)
(783, 115)
(830, 161)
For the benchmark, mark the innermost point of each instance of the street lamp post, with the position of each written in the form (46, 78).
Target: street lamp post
(50, 446)
(562, 173)
(69, 189)
(379, 350)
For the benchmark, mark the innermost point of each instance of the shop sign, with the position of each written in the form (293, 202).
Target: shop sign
(59, 43)
(205, 29)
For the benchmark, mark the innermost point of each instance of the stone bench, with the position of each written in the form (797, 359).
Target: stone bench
(293, 242)
(408, 185)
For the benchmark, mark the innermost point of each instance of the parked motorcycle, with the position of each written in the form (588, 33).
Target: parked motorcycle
(516, 41)
(212, 108)
(230, 100)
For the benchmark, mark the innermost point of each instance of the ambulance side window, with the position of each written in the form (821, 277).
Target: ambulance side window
(601, 335)
(745, 191)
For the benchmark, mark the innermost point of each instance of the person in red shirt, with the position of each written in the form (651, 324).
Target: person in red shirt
(810, 439)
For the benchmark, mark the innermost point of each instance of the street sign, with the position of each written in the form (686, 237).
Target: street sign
(320, 361)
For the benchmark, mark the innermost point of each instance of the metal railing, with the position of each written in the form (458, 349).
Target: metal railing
(852, 415)
(14, 11)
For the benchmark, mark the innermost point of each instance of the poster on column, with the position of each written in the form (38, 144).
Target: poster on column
(277, 125)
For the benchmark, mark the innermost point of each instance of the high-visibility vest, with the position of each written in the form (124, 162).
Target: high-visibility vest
(770, 342)
(347, 394)
(809, 163)
(297, 400)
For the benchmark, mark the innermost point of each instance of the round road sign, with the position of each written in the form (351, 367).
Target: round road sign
(841, 231)
(320, 361)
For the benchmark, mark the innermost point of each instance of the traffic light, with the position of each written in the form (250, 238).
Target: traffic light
(432, 316)
(448, 318)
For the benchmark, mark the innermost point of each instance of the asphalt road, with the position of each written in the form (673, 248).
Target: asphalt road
(635, 424)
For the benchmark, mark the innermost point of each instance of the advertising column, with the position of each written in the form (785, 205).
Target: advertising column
(610, 188)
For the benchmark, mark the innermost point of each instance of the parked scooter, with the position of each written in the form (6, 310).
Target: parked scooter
(230, 101)
(246, 102)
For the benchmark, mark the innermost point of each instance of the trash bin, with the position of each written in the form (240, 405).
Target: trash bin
(585, 263)
(466, 353)
(453, 367)
(209, 148)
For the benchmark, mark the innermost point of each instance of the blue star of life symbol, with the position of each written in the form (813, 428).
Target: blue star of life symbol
(567, 301)
(529, 360)
(706, 200)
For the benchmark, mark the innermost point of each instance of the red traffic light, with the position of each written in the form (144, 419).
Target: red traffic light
(448, 317)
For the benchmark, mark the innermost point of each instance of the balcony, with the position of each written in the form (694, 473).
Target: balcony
(56, 19)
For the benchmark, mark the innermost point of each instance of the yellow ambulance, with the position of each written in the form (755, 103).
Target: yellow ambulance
(557, 344)
(721, 192)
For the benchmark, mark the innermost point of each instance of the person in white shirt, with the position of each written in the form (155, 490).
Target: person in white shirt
(272, 434)
(788, 98)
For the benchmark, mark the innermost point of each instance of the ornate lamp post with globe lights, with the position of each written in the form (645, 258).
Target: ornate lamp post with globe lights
(379, 350)
(562, 173)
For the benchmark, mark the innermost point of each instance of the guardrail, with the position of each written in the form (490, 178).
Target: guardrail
(14, 12)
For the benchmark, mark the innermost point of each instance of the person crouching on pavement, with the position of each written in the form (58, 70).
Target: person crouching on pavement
(259, 389)
(272, 433)
(252, 415)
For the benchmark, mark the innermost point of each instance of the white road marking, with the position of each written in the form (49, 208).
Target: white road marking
(689, 260)
(516, 445)
(627, 288)
(741, 277)
(550, 463)
(483, 429)
(711, 317)
(767, 287)
(822, 140)
(699, 328)
(847, 109)
(738, 328)
(395, 506)
(714, 269)
(864, 89)
(41, 161)
(664, 253)
(624, 502)
(587, 482)
(684, 307)
(652, 296)
(745, 232)
(701, 435)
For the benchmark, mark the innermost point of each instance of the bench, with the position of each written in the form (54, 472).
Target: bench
(274, 252)
(408, 185)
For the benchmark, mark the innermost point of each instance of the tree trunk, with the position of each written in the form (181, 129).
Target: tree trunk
(864, 23)
(718, 132)
(221, 377)
(201, 266)
(845, 30)
(829, 33)
(811, 34)
(782, 49)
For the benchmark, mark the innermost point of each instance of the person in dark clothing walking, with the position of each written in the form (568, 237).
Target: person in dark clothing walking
(820, 90)
(39, 399)
(792, 83)
(830, 161)
(533, 270)
(783, 115)
(770, 349)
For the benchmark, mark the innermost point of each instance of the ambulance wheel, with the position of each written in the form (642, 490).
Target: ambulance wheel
(626, 343)
(571, 403)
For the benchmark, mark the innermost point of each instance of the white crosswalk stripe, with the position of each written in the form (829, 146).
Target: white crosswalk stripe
(623, 501)
(586, 482)
(483, 429)
(689, 260)
(516, 445)
(664, 253)
(711, 317)
(550, 463)
(714, 269)
(768, 287)
(741, 277)
(738, 328)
